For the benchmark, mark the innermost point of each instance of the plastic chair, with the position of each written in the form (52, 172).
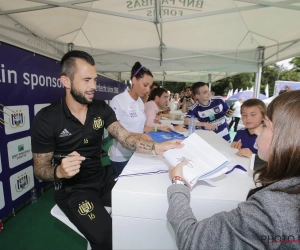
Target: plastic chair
(59, 214)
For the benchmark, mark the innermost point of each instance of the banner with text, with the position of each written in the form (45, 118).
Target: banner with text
(28, 82)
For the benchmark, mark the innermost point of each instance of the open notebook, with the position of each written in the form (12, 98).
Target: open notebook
(204, 161)
(140, 164)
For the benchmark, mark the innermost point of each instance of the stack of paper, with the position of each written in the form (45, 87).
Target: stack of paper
(140, 164)
(204, 161)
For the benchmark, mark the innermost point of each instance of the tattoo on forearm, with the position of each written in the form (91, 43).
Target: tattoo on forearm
(43, 169)
(130, 141)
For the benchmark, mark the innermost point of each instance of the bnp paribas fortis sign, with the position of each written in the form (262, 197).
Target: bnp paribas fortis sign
(168, 8)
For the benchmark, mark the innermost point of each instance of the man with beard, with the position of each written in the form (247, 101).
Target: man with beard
(66, 145)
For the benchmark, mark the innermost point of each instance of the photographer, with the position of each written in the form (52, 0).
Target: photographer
(187, 101)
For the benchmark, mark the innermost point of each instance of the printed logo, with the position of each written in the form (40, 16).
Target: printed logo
(19, 151)
(2, 201)
(85, 208)
(217, 109)
(20, 147)
(64, 133)
(38, 107)
(16, 118)
(211, 117)
(98, 123)
(132, 113)
(21, 182)
(85, 140)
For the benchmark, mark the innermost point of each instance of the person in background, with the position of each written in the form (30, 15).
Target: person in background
(182, 94)
(269, 218)
(210, 111)
(236, 114)
(130, 112)
(253, 112)
(173, 103)
(187, 104)
(286, 89)
(176, 98)
(145, 97)
(171, 97)
(155, 85)
(66, 139)
(186, 101)
(158, 101)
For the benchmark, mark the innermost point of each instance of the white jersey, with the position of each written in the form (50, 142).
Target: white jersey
(131, 114)
(237, 109)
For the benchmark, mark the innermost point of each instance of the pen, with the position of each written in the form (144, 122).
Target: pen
(64, 156)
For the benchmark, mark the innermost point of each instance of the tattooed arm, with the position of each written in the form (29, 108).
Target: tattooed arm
(137, 144)
(130, 141)
(69, 166)
(43, 169)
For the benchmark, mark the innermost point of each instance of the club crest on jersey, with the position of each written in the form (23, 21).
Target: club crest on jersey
(217, 109)
(85, 207)
(97, 123)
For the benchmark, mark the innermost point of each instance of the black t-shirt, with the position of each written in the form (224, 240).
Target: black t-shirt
(55, 129)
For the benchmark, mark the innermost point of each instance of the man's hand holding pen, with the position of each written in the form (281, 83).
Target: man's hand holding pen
(70, 165)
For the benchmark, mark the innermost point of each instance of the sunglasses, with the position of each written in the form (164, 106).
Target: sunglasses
(143, 68)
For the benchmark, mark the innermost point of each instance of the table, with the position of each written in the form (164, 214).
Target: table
(139, 204)
(178, 120)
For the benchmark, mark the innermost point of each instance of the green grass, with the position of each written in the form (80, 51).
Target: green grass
(34, 228)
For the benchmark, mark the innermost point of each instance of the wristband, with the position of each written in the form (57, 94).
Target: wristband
(155, 129)
(55, 176)
(178, 180)
(153, 149)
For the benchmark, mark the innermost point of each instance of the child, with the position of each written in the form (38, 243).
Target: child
(269, 218)
(253, 112)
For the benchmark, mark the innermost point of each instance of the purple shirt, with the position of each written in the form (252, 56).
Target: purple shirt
(247, 140)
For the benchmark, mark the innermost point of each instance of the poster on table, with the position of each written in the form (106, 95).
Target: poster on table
(28, 82)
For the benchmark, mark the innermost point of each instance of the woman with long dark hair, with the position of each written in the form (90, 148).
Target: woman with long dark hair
(130, 112)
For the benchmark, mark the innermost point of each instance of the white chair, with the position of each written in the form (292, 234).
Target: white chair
(59, 214)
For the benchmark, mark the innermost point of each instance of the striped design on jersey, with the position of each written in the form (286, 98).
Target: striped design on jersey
(214, 113)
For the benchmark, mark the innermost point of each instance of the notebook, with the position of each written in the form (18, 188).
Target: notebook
(204, 161)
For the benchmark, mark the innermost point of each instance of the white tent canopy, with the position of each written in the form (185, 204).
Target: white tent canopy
(179, 40)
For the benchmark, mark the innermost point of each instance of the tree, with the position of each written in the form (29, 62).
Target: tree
(240, 81)
(296, 62)
(270, 74)
(290, 75)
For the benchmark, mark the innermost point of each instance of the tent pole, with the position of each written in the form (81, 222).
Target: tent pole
(70, 46)
(209, 82)
(261, 51)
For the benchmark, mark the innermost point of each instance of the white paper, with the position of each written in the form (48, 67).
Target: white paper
(204, 161)
(140, 164)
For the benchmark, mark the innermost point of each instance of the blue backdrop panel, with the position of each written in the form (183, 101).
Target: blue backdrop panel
(28, 82)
